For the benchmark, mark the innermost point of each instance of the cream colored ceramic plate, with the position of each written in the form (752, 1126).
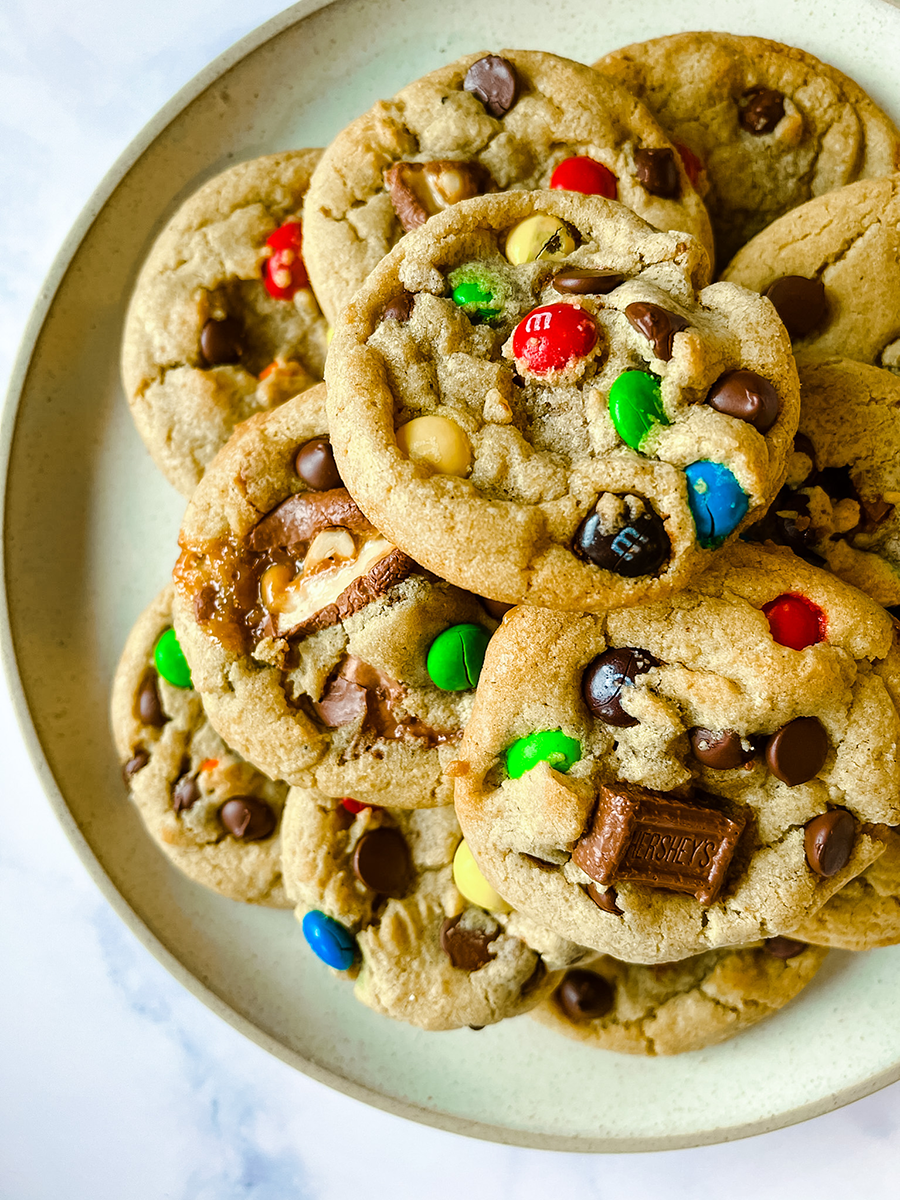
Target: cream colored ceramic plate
(90, 537)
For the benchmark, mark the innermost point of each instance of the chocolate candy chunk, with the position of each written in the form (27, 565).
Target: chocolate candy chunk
(747, 397)
(788, 523)
(799, 302)
(604, 678)
(399, 307)
(419, 190)
(149, 706)
(247, 818)
(638, 546)
(658, 326)
(828, 841)
(535, 979)
(220, 341)
(299, 518)
(136, 763)
(657, 171)
(586, 282)
(185, 793)
(584, 996)
(494, 81)
(468, 949)
(382, 862)
(797, 752)
(657, 839)
(760, 110)
(784, 947)
(316, 466)
(720, 749)
(605, 900)
(360, 688)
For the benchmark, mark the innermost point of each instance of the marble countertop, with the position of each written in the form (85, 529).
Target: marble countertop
(116, 1081)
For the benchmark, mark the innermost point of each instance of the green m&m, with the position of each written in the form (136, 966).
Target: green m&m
(480, 297)
(635, 406)
(549, 745)
(456, 656)
(170, 660)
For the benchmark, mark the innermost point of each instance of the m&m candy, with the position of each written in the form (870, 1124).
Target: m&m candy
(717, 502)
(635, 406)
(170, 661)
(283, 271)
(329, 940)
(547, 745)
(585, 175)
(456, 656)
(795, 622)
(552, 337)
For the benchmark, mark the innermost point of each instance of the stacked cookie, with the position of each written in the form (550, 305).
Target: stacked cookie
(643, 802)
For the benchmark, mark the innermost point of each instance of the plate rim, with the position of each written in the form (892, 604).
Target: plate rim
(449, 1122)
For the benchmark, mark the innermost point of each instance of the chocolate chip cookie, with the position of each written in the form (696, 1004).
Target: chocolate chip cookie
(215, 817)
(832, 269)
(838, 506)
(381, 896)
(223, 322)
(535, 396)
(486, 123)
(687, 775)
(672, 1008)
(763, 127)
(324, 654)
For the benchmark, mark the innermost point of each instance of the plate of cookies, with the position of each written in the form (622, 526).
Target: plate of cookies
(480, 558)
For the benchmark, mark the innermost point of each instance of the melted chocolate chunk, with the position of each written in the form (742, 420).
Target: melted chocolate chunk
(359, 688)
(657, 325)
(298, 519)
(605, 900)
(657, 172)
(467, 949)
(586, 282)
(604, 678)
(760, 110)
(784, 947)
(720, 749)
(585, 996)
(747, 397)
(494, 81)
(248, 818)
(799, 302)
(828, 841)
(221, 341)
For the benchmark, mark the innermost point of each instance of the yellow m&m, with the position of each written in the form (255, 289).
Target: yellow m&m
(472, 884)
(436, 442)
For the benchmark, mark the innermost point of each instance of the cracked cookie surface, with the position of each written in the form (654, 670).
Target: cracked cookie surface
(771, 125)
(690, 756)
(181, 776)
(512, 128)
(573, 430)
(208, 340)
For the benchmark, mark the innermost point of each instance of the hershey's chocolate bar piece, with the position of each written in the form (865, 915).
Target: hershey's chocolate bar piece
(639, 836)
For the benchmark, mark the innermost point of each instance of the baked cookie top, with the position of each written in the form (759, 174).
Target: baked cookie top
(215, 817)
(223, 322)
(766, 126)
(832, 269)
(536, 396)
(522, 119)
(695, 773)
(379, 896)
(838, 507)
(675, 1007)
(323, 653)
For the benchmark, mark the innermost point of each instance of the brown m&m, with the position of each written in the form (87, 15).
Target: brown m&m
(585, 996)
(747, 397)
(828, 841)
(606, 675)
(382, 862)
(248, 818)
(797, 752)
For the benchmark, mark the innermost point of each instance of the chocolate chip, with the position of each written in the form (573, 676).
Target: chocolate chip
(639, 547)
(784, 947)
(247, 818)
(535, 979)
(760, 110)
(747, 397)
(657, 171)
(657, 325)
(586, 282)
(467, 949)
(185, 793)
(399, 307)
(494, 81)
(720, 749)
(605, 900)
(137, 762)
(797, 752)
(382, 862)
(604, 678)
(584, 996)
(828, 841)
(149, 706)
(220, 341)
(799, 302)
(316, 466)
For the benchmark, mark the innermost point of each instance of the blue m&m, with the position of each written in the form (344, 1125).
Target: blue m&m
(717, 501)
(329, 940)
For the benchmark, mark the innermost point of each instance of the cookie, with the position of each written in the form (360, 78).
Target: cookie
(687, 775)
(324, 654)
(672, 1008)
(575, 430)
(865, 913)
(486, 123)
(764, 127)
(214, 816)
(838, 506)
(377, 897)
(222, 322)
(832, 269)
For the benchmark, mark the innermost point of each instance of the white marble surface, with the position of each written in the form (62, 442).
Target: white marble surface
(116, 1082)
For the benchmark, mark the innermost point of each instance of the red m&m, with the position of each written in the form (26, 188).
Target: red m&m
(795, 622)
(283, 271)
(693, 167)
(585, 175)
(552, 337)
(354, 806)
